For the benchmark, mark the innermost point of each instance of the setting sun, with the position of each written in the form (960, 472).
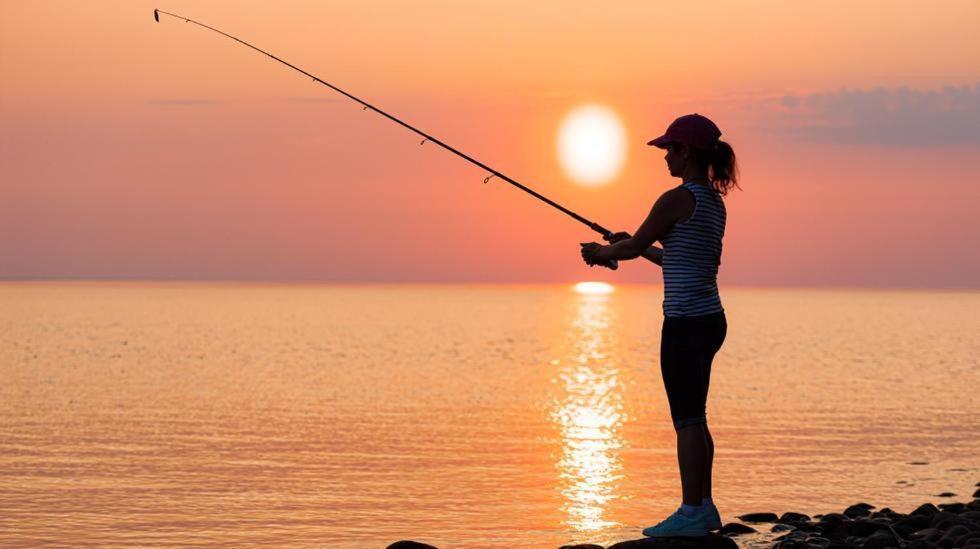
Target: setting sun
(593, 288)
(591, 145)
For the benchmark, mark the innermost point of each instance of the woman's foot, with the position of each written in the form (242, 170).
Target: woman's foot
(681, 525)
(714, 519)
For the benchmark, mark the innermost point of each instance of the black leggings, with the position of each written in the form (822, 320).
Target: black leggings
(687, 346)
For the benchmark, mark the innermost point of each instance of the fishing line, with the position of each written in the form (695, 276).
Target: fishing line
(425, 137)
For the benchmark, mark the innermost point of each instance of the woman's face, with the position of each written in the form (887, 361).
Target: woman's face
(676, 158)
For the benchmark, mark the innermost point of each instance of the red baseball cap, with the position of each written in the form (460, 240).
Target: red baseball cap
(693, 129)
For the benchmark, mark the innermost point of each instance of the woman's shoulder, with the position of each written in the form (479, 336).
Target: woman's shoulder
(679, 201)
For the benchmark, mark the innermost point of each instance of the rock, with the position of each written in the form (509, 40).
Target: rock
(917, 522)
(780, 527)
(791, 544)
(928, 534)
(971, 515)
(735, 529)
(855, 511)
(953, 507)
(832, 517)
(976, 494)
(581, 546)
(951, 536)
(758, 517)
(711, 541)
(865, 505)
(945, 495)
(944, 519)
(409, 544)
(865, 527)
(791, 517)
(920, 544)
(926, 509)
(834, 526)
(818, 541)
(879, 540)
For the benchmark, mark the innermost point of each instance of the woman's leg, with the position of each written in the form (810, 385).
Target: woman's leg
(692, 457)
(706, 484)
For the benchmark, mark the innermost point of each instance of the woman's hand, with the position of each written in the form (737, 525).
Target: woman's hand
(592, 254)
(616, 237)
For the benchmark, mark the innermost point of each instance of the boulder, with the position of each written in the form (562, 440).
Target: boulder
(581, 546)
(409, 544)
(711, 541)
(926, 509)
(952, 535)
(789, 517)
(855, 511)
(953, 507)
(920, 544)
(735, 529)
(879, 540)
(917, 522)
(759, 517)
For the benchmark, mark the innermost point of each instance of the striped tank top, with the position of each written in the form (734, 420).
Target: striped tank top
(692, 254)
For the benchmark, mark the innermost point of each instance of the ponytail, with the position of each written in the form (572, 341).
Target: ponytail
(722, 167)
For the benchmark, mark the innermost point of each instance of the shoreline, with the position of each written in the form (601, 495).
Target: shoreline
(951, 524)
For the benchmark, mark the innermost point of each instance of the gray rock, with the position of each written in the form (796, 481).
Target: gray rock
(855, 511)
(953, 507)
(928, 534)
(971, 515)
(951, 536)
(920, 544)
(791, 517)
(976, 494)
(879, 540)
(863, 527)
(945, 495)
(832, 517)
(818, 541)
(782, 527)
(735, 529)
(758, 517)
(944, 519)
(916, 521)
(409, 544)
(711, 541)
(926, 509)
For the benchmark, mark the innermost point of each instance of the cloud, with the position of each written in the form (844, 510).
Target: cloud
(897, 116)
(184, 102)
(317, 99)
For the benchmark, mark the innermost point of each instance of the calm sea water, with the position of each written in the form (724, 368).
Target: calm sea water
(462, 416)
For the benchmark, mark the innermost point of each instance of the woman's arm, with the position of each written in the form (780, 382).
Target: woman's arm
(671, 207)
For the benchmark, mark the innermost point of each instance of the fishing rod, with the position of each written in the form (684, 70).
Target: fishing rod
(606, 233)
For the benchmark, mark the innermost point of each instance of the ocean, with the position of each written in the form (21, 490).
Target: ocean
(140, 413)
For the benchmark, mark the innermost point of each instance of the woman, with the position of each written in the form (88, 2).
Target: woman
(689, 220)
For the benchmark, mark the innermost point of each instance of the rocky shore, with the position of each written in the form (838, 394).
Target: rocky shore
(950, 525)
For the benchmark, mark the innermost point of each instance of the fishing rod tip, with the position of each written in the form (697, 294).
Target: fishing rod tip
(156, 15)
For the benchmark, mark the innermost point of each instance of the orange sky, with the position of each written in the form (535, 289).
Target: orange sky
(131, 149)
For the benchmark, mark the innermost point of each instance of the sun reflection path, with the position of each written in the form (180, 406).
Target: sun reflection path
(589, 417)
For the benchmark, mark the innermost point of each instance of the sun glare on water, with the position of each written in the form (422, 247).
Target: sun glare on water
(591, 145)
(593, 288)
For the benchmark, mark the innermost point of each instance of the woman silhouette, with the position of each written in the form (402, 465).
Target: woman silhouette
(689, 220)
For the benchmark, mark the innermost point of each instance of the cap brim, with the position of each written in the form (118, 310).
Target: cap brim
(661, 142)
